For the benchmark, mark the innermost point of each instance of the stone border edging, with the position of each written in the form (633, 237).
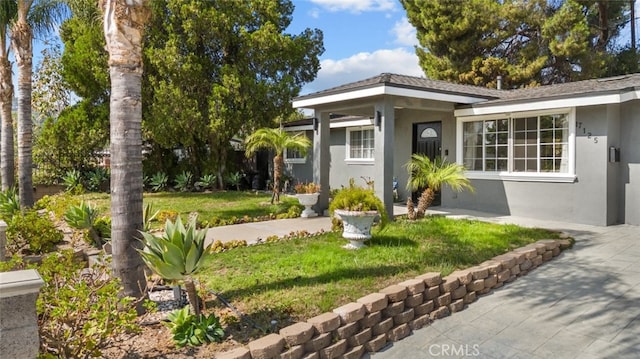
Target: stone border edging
(390, 315)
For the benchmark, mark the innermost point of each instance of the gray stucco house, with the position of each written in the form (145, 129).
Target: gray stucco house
(568, 152)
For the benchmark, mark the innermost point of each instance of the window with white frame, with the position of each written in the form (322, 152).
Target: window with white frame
(294, 156)
(519, 144)
(360, 143)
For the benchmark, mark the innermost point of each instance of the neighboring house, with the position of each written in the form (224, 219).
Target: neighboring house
(567, 152)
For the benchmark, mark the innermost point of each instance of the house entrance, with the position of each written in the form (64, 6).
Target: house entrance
(427, 138)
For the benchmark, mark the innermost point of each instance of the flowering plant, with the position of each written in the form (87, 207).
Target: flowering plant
(307, 188)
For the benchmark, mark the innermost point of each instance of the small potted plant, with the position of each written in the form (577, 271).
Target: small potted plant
(357, 207)
(307, 194)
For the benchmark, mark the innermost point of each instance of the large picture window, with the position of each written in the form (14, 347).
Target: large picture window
(518, 144)
(360, 144)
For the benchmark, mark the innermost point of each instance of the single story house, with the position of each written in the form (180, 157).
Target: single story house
(567, 152)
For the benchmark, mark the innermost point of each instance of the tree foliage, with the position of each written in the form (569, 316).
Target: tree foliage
(527, 42)
(218, 69)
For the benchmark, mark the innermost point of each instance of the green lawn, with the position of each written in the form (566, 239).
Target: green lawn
(221, 204)
(300, 278)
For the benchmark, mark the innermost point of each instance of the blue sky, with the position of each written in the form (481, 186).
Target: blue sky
(362, 38)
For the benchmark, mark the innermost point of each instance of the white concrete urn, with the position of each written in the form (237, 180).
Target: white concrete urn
(356, 226)
(308, 200)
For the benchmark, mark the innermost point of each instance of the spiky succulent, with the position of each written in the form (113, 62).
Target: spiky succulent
(179, 253)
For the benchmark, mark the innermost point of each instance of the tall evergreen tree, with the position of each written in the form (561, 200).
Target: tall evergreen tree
(217, 69)
(527, 42)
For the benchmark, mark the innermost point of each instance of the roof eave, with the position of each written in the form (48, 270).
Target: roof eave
(547, 103)
(379, 89)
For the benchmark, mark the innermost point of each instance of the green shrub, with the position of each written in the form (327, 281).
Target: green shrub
(355, 198)
(80, 312)
(9, 203)
(194, 330)
(30, 230)
(57, 204)
(165, 215)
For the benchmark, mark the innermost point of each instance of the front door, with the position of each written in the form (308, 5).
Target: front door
(427, 139)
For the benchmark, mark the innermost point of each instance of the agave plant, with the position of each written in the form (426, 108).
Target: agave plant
(96, 178)
(207, 181)
(159, 182)
(234, 179)
(72, 180)
(183, 181)
(9, 203)
(177, 255)
(84, 216)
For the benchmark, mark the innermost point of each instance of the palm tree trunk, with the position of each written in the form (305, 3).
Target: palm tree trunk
(123, 25)
(6, 98)
(278, 165)
(21, 41)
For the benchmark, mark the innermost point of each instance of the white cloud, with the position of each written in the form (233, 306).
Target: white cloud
(364, 65)
(356, 6)
(405, 33)
(314, 13)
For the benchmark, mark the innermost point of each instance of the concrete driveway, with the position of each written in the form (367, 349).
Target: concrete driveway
(584, 304)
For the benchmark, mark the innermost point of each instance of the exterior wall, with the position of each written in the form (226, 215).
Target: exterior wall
(341, 171)
(613, 168)
(302, 172)
(629, 179)
(584, 201)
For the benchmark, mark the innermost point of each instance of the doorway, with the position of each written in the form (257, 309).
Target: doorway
(427, 140)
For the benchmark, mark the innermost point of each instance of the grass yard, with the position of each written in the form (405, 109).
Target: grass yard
(300, 278)
(221, 204)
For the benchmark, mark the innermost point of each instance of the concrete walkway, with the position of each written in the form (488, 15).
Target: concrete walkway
(583, 304)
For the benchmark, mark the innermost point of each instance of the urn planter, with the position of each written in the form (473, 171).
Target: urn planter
(356, 226)
(308, 200)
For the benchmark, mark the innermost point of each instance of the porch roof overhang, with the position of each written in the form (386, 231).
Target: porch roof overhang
(399, 86)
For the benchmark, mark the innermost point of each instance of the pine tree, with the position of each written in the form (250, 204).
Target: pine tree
(527, 42)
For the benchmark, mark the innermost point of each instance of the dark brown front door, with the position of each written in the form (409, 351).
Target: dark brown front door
(427, 138)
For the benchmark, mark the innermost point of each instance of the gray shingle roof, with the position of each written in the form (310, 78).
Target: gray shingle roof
(409, 82)
(570, 89)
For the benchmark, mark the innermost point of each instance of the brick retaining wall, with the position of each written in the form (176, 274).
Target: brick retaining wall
(372, 321)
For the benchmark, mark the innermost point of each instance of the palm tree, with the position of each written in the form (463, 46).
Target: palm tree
(124, 22)
(278, 140)
(8, 10)
(39, 16)
(431, 175)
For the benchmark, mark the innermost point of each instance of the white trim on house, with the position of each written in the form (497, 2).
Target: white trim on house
(352, 123)
(546, 104)
(383, 89)
(299, 128)
(569, 176)
(350, 160)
